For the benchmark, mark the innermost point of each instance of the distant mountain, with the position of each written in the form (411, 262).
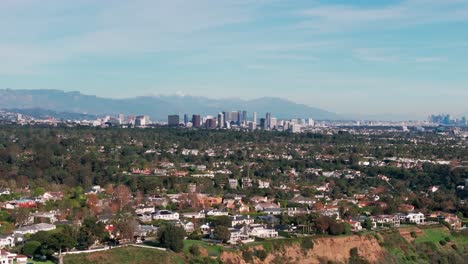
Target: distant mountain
(158, 107)
(39, 113)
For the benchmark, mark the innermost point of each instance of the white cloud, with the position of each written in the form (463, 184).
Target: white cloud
(323, 17)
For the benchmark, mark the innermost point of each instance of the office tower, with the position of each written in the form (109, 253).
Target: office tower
(234, 116)
(252, 126)
(268, 121)
(220, 120)
(310, 122)
(263, 123)
(225, 118)
(196, 121)
(254, 117)
(131, 120)
(210, 123)
(273, 122)
(186, 120)
(142, 120)
(173, 120)
(121, 119)
(239, 118)
(244, 117)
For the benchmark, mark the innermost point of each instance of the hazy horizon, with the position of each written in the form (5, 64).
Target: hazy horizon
(401, 58)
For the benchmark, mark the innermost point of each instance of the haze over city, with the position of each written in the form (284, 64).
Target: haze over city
(365, 58)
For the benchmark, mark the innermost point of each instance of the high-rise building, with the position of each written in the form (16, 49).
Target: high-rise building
(310, 122)
(252, 126)
(186, 120)
(210, 123)
(273, 122)
(234, 116)
(244, 117)
(226, 118)
(196, 121)
(254, 117)
(268, 121)
(239, 118)
(263, 124)
(173, 120)
(142, 120)
(121, 119)
(220, 120)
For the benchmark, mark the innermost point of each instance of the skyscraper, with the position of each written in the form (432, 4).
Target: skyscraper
(186, 119)
(254, 117)
(220, 120)
(263, 123)
(268, 121)
(239, 118)
(196, 121)
(226, 118)
(173, 120)
(210, 123)
(234, 116)
(244, 117)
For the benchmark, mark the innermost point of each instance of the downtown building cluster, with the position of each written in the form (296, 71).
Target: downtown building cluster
(239, 120)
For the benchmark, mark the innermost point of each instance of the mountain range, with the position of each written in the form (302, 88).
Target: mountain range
(157, 107)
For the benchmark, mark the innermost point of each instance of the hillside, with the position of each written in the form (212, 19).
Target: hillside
(158, 107)
(391, 246)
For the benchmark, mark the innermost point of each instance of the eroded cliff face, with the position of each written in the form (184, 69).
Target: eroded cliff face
(335, 249)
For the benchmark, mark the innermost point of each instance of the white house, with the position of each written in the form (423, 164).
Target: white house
(165, 215)
(239, 220)
(417, 218)
(7, 241)
(194, 215)
(355, 225)
(237, 236)
(257, 230)
(188, 226)
(263, 184)
(216, 213)
(7, 257)
(32, 229)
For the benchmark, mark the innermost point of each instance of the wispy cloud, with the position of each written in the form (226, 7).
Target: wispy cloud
(324, 17)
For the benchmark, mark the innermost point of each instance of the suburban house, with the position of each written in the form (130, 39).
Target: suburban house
(165, 215)
(258, 230)
(392, 220)
(237, 236)
(32, 229)
(240, 220)
(263, 206)
(7, 241)
(216, 212)
(355, 225)
(417, 218)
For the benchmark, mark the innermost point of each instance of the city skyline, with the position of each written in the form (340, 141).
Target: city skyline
(386, 58)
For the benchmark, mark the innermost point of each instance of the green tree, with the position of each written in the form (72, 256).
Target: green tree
(172, 237)
(222, 233)
(31, 247)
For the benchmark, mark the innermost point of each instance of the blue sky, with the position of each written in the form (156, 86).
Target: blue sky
(366, 57)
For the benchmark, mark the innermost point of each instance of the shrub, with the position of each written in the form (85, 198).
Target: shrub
(307, 244)
(261, 254)
(247, 256)
(448, 239)
(195, 250)
(443, 242)
(413, 234)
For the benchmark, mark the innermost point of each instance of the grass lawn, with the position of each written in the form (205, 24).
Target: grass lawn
(433, 235)
(438, 234)
(213, 250)
(122, 256)
(40, 262)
